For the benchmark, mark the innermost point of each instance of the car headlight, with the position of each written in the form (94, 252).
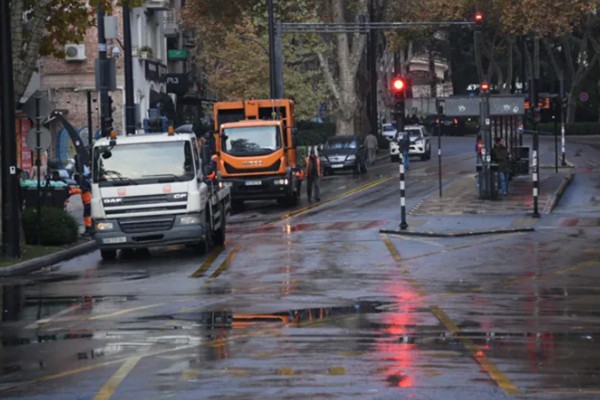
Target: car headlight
(351, 157)
(281, 181)
(224, 184)
(323, 158)
(190, 219)
(104, 226)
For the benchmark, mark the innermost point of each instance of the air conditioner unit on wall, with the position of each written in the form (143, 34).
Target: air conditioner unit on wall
(75, 52)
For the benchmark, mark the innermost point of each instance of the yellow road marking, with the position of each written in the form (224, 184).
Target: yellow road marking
(109, 388)
(208, 262)
(490, 368)
(341, 196)
(126, 311)
(90, 368)
(337, 371)
(225, 264)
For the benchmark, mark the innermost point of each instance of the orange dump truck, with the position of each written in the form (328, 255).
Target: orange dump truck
(255, 141)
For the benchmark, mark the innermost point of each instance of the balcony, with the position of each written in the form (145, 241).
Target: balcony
(157, 5)
(171, 27)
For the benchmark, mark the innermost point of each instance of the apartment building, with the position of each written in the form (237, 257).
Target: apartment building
(162, 70)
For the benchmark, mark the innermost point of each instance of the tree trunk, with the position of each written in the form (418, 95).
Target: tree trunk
(348, 57)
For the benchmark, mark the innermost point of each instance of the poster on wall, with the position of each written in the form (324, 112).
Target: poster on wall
(25, 161)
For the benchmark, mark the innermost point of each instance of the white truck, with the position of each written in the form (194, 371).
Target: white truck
(152, 190)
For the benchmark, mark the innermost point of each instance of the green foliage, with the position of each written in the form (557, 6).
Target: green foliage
(57, 226)
(235, 52)
(313, 133)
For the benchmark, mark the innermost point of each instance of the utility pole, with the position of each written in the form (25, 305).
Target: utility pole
(10, 182)
(129, 103)
(102, 77)
(272, 70)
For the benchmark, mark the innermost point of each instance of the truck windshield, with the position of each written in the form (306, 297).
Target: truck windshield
(143, 163)
(251, 140)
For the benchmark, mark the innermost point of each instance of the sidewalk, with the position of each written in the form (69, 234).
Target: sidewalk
(460, 212)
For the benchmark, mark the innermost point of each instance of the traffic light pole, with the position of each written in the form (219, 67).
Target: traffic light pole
(10, 183)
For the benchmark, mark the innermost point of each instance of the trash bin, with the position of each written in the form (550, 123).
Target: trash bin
(55, 195)
(521, 164)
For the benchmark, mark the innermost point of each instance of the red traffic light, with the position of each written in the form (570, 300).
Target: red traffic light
(398, 85)
(478, 18)
(485, 87)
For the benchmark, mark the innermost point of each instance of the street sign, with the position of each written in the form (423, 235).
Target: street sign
(507, 105)
(461, 106)
(45, 138)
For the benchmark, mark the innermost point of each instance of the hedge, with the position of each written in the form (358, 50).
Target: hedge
(57, 226)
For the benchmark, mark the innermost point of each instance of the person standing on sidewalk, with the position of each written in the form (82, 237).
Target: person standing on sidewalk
(371, 145)
(313, 175)
(501, 156)
(404, 147)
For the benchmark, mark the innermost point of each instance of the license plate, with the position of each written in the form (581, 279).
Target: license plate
(113, 240)
(337, 166)
(253, 183)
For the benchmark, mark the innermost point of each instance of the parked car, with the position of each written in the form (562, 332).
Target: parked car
(388, 131)
(420, 143)
(343, 153)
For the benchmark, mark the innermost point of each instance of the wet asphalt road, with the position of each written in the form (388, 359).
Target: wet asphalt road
(314, 302)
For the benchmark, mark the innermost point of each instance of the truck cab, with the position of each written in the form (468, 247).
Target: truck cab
(150, 190)
(256, 147)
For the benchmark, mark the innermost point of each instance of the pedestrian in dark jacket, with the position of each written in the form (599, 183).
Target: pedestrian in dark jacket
(404, 147)
(313, 175)
(501, 156)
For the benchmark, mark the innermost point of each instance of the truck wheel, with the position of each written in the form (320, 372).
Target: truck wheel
(219, 234)
(108, 254)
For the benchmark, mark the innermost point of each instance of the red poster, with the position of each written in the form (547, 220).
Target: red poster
(26, 161)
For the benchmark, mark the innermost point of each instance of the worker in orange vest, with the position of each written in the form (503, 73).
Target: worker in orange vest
(85, 191)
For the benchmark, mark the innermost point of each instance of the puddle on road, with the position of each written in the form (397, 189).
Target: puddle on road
(17, 305)
(229, 319)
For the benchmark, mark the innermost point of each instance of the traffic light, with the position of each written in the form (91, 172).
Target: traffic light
(484, 87)
(478, 18)
(399, 88)
(547, 103)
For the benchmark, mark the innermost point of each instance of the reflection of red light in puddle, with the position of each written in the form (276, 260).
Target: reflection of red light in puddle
(396, 358)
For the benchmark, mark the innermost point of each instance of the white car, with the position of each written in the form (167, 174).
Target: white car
(388, 131)
(420, 143)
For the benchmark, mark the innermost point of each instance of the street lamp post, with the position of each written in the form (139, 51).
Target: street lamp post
(10, 182)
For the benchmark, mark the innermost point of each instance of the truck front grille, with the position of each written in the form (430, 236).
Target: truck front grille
(271, 168)
(149, 224)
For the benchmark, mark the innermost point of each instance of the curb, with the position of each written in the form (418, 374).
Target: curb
(456, 234)
(559, 192)
(28, 266)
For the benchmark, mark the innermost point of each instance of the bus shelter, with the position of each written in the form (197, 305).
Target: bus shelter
(500, 116)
